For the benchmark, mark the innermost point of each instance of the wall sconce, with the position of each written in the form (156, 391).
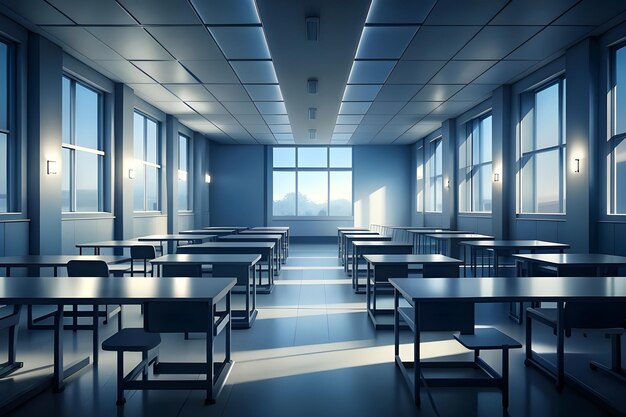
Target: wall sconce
(51, 167)
(576, 165)
(207, 178)
(496, 177)
(447, 183)
(131, 174)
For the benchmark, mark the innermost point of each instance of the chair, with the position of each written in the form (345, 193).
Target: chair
(182, 270)
(91, 268)
(144, 253)
(606, 317)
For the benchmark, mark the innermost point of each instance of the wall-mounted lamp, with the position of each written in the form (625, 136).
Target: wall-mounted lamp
(207, 178)
(496, 177)
(447, 183)
(51, 167)
(182, 175)
(131, 174)
(576, 165)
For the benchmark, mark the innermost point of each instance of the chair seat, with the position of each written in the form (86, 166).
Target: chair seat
(547, 316)
(132, 340)
(486, 339)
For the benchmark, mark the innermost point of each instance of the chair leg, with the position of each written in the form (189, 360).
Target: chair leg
(505, 378)
(529, 342)
(144, 372)
(120, 378)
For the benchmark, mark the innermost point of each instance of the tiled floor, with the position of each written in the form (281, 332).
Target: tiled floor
(312, 352)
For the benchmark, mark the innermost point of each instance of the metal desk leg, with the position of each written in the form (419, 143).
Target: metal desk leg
(416, 353)
(210, 369)
(560, 346)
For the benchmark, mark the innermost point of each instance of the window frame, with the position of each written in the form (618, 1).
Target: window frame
(561, 147)
(143, 163)
(13, 178)
(473, 169)
(428, 178)
(73, 148)
(613, 140)
(328, 169)
(188, 177)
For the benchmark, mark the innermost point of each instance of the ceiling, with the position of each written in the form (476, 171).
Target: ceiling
(388, 71)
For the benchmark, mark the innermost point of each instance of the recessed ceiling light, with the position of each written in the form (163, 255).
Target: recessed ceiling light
(312, 133)
(312, 113)
(311, 85)
(312, 28)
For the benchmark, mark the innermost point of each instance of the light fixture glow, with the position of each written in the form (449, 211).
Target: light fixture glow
(496, 177)
(577, 165)
(51, 167)
(182, 175)
(207, 178)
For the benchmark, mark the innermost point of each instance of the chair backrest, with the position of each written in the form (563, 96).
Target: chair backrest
(142, 252)
(181, 270)
(594, 315)
(90, 268)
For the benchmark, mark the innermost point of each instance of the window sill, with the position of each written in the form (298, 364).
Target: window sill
(149, 214)
(486, 214)
(185, 213)
(86, 215)
(13, 217)
(541, 217)
(313, 218)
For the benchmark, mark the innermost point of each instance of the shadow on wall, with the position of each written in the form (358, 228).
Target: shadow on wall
(375, 212)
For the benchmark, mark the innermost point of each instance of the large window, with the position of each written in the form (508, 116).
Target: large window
(184, 180)
(83, 157)
(434, 176)
(617, 145)
(312, 181)
(475, 166)
(542, 150)
(6, 109)
(147, 164)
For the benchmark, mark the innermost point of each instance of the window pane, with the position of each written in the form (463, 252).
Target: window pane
(138, 136)
(66, 174)
(182, 153)
(284, 190)
(152, 188)
(183, 194)
(340, 193)
(482, 188)
(87, 179)
(485, 140)
(438, 194)
(620, 178)
(547, 117)
(528, 184)
(4, 174)
(86, 120)
(151, 142)
(619, 115)
(65, 110)
(312, 193)
(548, 171)
(284, 157)
(340, 157)
(4, 86)
(312, 158)
(139, 187)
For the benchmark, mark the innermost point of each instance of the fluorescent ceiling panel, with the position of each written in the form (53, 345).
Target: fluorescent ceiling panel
(228, 92)
(271, 107)
(370, 72)
(276, 119)
(358, 92)
(354, 107)
(187, 42)
(241, 42)
(264, 92)
(255, 72)
(190, 92)
(349, 119)
(166, 71)
(384, 42)
(212, 72)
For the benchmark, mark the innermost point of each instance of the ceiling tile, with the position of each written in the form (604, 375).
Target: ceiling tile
(276, 119)
(94, 12)
(190, 92)
(83, 42)
(549, 41)
(187, 42)
(283, 136)
(435, 119)
(420, 107)
(37, 11)
(370, 72)
(264, 92)
(386, 107)
(165, 71)
(376, 119)
(153, 92)
(232, 12)
(207, 107)
(256, 129)
(406, 119)
(130, 42)
(250, 119)
(503, 72)
(384, 42)
(439, 42)
(475, 92)
(271, 107)
(398, 92)
(348, 119)
(341, 136)
(414, 72)
(125, 72)
(223, 120)
(171, 12)
(240, 107)
(360, 92)
(280, 128)
(174, 107)
(592, 12)
(345, 128)
(461, 72)
(453, 12)
(422, 129)
(532, 12)
(399, 11)
(228, 92)
(265, 138)
(496, 42)
(437, 92)
(354, 107)
(453, 108)
(212, 72)
(241, 42)
(255, 72)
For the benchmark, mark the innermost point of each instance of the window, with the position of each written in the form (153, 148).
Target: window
(312, 181)
(419, 179)
(434, 176)
(475, 166)
(6, 135)
(147, 194)
(184, 181)
(542, 150)
(617, 145)
(82, 154)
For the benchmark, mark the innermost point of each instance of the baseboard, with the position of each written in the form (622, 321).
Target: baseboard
(313, 239)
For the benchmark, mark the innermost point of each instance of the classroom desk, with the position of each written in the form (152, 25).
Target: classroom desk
(373, 247)
(176, 238)
(216, 232)
(50, 261)
(347, 246)
(205, 293)
(242, 267)
(274, 238)
(422, 292)
(277, 228)
(347, 229)
(500, 247)
(109, 244)
(283, 232)
(265, 249)
(382, 267)
(416, 234)
(236, 228)
(342, 240)
(448, 243)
